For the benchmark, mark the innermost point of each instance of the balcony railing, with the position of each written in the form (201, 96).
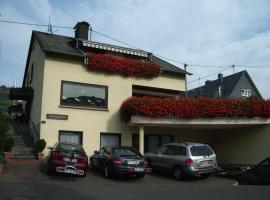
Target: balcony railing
(192, 108)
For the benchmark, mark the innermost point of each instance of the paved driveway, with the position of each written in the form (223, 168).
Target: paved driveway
(28, 181)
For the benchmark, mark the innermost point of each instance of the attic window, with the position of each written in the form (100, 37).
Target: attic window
(245, 93)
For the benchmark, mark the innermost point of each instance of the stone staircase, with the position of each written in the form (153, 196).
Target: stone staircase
(24, 144)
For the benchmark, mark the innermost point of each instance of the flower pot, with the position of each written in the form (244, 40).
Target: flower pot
(9, 155)
(40, 156)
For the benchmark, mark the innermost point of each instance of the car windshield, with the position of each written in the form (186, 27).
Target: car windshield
(201, 151)
(125, 152)
(71, 147)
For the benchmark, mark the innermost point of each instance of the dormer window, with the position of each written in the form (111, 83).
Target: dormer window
(245, 93)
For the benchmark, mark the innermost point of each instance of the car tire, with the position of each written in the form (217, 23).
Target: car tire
(107, 173)
(91, 164)
(85, 173)
(177, 172)
(50, 170)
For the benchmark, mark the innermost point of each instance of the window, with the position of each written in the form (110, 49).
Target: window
(201, 151)
(107, 139)
(151, 142)
(162, 150)
(245, 93)
(155, 141)
(85, 95)
(264, 164)
(71, 137)
(176, 150)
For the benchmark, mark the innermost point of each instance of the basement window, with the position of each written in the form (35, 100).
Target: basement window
(84, 95)
(245, 93)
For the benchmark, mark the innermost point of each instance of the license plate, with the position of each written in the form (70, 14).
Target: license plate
(70, 171)
(133, 162)
(206, 162)
(139, 169)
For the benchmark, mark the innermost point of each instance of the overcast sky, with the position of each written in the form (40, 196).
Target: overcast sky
(204, 32)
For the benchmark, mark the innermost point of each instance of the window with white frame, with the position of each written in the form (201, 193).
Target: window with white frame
(70, 137)
(107, 139)
(245, 93)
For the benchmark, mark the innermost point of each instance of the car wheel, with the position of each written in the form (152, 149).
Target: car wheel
(85, 173)
(177, 172)
(91, 164)
(49, 170)
(107, 172)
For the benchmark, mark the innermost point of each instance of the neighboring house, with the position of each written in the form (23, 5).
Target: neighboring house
(238, 85)
(69, 97)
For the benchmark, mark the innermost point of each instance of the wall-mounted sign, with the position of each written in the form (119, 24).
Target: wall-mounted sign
(57, 117)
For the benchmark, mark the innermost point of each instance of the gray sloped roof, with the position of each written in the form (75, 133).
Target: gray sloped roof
(67, 45)
(229, 83)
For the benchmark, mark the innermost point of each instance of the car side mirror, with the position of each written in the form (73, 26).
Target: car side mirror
(96, 152)
(50, 148)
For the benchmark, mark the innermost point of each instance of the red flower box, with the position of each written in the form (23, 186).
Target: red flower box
(120, 65)
(189, 108)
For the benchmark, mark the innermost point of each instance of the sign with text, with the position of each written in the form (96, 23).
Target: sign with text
(57, 117)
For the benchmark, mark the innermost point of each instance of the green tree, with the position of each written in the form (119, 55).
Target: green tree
(4, 126)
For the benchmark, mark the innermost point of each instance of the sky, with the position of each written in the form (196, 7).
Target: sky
(198, 32)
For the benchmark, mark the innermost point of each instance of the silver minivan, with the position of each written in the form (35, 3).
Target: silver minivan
(183, 159)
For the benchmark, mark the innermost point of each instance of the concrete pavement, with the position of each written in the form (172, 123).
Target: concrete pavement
(27, 181)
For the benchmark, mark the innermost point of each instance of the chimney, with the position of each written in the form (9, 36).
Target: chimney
(81, 30)
(220, 79)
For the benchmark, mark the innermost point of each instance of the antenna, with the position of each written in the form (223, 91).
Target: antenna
(233, 67)
(90, 33)
(50, 26)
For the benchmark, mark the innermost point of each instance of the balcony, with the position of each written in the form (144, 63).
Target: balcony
(199, 113)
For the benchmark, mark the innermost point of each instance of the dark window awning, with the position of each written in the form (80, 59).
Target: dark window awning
(21, 94)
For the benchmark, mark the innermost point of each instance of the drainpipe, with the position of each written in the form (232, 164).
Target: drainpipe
(185, 67)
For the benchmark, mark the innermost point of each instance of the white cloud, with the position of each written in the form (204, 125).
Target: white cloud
(202, 32)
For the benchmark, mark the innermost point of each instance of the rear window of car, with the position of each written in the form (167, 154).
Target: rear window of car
(203, 150)
(125, 152)
(70, 147)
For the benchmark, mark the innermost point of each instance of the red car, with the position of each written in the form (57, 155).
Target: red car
(67, 158)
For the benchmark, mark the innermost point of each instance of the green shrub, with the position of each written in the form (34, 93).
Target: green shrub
(8, 144)
(2, 159)
(40, 145)
(3, 131)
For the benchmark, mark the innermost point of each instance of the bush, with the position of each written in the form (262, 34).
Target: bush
(8, 144)
(2, 159)
(40, 145)
(3, 131)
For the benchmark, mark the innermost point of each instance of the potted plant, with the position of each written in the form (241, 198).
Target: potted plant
(8, 144)
(2, 164)
(40, 146)
(3, 135)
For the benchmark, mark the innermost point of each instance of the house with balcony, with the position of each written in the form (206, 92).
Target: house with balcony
(97, 94)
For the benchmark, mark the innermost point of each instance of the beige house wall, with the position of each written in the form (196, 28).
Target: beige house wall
(90, 122)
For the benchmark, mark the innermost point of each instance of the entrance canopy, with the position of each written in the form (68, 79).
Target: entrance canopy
(21, 94)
